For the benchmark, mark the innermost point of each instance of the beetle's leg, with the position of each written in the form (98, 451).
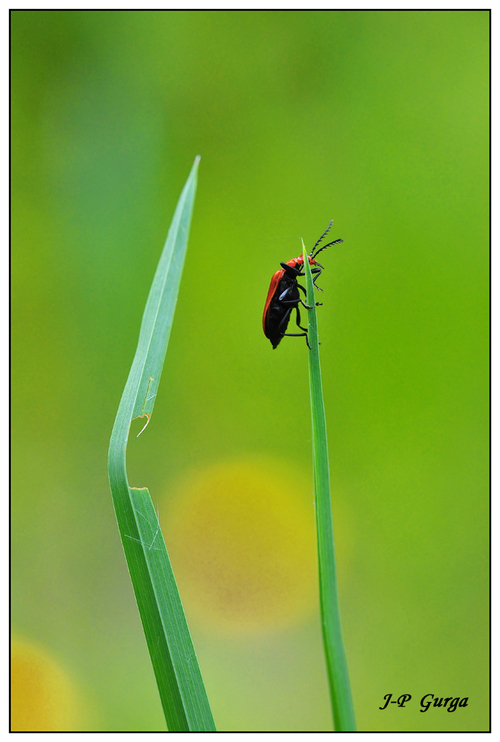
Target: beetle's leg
(298, 335)
(299, 301)
(316, 271)
(283, 300)
(305, 292)
(294, 302)
(284, 322)
(298, 320)
(314, 281)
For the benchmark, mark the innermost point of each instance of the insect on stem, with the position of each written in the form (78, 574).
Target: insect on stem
(283, 296)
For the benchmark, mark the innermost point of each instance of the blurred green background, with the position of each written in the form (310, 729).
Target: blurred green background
(378, 119)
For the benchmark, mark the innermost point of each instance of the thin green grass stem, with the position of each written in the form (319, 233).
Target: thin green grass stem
(336, 664)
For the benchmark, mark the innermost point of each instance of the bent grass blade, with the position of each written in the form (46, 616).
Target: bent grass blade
(180, 684)
(336, 664)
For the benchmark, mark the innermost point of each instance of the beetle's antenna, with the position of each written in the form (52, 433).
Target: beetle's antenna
(335, 242)
(323, 235)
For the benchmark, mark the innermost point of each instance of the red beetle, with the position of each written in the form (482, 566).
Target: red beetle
(283, 295)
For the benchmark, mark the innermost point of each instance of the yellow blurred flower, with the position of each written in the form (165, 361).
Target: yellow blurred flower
(42, 696)
(242, 542)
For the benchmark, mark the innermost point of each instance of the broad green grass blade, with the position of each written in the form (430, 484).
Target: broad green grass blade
(338, 677)
(176, 668)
